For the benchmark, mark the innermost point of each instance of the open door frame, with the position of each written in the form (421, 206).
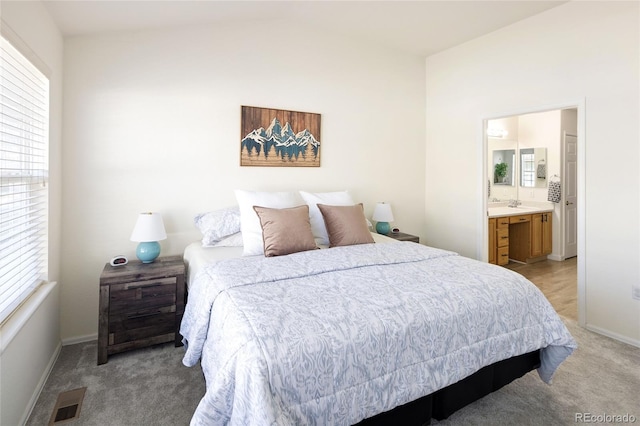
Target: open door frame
(482, 249)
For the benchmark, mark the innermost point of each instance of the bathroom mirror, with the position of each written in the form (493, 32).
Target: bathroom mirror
(533, 167)
(534, 141)
(503, 161)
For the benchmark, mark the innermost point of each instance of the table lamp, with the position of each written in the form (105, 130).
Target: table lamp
(382, 215)
(148, 231)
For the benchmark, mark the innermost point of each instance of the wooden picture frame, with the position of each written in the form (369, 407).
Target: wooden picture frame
(279, 138)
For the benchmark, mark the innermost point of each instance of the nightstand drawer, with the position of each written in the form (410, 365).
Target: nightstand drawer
(135, 296)
(142, 324)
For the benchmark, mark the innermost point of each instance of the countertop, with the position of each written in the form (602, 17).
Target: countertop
(504, 210)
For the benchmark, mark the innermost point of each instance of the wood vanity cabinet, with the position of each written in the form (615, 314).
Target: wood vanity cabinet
(541, 240)
(524, 238)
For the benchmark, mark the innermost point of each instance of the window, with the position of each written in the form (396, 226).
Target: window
(528, 171)
(24, 169)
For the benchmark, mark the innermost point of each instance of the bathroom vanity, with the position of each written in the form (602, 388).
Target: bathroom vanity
(522, 234)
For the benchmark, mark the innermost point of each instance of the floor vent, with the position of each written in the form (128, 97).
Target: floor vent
(67, 406)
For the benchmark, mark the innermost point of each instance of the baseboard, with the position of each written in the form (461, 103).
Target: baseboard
(616, 336)
(79, 339)
(555, 257)
(41, 383)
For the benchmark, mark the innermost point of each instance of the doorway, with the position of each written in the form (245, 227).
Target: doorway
(569, 162)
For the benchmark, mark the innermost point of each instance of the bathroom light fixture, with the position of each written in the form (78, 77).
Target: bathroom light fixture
(494, 132)
(148, 231)
(382, 215)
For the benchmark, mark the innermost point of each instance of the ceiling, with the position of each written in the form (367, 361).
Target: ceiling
(416, 27)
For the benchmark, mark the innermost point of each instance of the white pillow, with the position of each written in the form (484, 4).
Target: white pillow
(341, 198)
(218, 224)
(249, 221)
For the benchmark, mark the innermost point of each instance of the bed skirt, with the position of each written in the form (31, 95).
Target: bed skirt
(441, 404)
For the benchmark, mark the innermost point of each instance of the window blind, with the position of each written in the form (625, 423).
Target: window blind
(24, 154)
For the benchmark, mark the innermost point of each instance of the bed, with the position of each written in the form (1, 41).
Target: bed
(372, 332)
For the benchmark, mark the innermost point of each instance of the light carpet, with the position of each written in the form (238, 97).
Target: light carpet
(151, 387)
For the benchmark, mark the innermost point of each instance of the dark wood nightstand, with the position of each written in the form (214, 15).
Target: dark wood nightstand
(401, 236)
(140, 305)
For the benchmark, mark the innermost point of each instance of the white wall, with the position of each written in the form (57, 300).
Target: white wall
(152, 122)
(578, 51)
(31, 338)
(541, 130)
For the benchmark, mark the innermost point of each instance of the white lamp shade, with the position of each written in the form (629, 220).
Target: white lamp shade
(149, 227)
(382, 213)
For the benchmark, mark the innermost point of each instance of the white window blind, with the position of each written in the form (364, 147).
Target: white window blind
(24, 170)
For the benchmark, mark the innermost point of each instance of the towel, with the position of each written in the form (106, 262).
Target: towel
(554, 192)
(542, 171)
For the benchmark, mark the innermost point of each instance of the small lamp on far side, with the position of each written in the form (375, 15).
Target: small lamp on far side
(148, 231)
(382, 215)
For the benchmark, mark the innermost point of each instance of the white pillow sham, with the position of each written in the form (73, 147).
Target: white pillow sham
(318, 227)
(218, 224)
(249, 221)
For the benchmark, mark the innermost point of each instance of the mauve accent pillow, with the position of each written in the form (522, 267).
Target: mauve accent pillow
(249, 222)
(319, 229)
(285, 231)
(346, 225)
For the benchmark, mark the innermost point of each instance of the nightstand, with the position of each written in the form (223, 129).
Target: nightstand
(141, 304)
(401, 236)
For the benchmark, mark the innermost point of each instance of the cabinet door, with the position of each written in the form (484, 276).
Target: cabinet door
(536, 234)
(492, 240)
(541, 234)
(547, 242)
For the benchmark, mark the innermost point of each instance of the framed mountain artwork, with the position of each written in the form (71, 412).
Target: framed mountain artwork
(279, 138)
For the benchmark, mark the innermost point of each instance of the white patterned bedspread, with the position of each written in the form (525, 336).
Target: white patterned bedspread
(330, 337)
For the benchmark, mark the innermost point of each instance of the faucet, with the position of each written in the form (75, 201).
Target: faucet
(514, 203)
